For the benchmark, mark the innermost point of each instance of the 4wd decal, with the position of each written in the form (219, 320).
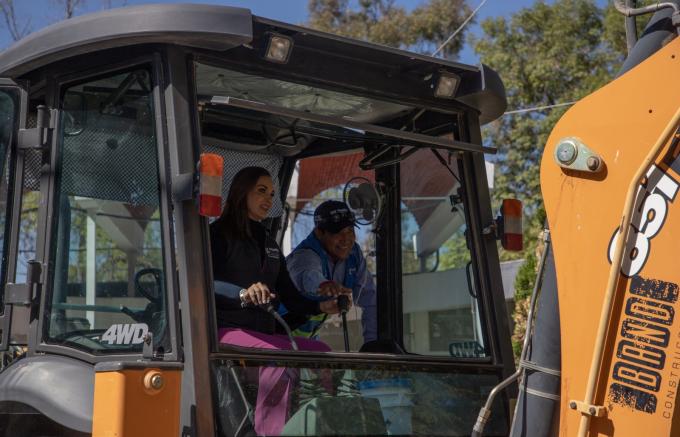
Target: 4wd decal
(126, 333)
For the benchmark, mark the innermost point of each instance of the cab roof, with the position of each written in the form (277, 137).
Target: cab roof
(220, 28)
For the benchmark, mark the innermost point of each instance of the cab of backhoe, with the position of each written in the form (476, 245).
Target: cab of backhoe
(106, 265)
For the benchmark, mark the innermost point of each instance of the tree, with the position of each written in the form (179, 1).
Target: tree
(546, 54)
(18, 27)
(16, 30)
(381, 21)
(70, 6)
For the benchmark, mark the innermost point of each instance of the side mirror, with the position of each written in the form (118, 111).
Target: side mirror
(510, 225)
(210, 169)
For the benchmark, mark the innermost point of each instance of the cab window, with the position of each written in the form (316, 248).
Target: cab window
(108, 287)
(441, 311)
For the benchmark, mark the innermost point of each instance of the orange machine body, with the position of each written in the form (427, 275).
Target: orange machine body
(126, 403)
(640, 370)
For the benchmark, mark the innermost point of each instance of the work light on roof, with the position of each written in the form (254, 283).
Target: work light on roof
(278, 48)
(447, 85)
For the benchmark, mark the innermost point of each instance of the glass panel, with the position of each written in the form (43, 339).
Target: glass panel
(216, 81)
(30, 197)
(352, 402)
(315, 181)
(441, 314)
(236, 160)
(109, 281)
(8, 112)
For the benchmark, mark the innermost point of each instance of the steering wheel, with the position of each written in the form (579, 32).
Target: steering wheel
(152, 290)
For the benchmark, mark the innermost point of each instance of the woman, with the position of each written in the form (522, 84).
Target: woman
(249, 271)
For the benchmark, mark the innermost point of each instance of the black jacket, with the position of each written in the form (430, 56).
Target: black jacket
(245, 262)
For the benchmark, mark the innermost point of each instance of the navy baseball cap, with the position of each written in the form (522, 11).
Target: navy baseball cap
(333, 216)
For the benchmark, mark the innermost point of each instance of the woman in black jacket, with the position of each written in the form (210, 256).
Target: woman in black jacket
(250, 270)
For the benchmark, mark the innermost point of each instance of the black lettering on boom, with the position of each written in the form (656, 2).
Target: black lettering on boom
(654, 288)
(650, 310)
(637, 376)
(641, 354)
(633, 398)
(646, 332)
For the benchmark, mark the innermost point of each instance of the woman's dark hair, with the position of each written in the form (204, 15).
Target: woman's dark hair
(233, 223)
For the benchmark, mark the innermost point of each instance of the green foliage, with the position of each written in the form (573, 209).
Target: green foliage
(524, 285)
(546, 54)
(526, 278)
(454, 253)
(383, 22)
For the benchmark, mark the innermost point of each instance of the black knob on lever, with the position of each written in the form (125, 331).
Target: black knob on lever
(343, 306)
(343, 303)
(268, 307)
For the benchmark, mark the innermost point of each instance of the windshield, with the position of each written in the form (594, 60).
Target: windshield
(351, 401)
(333, 171)
(109, 282)
(216, 81)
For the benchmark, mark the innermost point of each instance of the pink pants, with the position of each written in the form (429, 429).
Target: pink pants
(273, 393)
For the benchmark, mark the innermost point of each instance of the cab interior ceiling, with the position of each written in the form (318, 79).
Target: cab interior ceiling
(242, 128)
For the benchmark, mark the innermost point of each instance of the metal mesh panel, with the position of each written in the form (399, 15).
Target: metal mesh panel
(32, 120)
(236, 160)
(32, 160)
(32, 164)
(112, 159)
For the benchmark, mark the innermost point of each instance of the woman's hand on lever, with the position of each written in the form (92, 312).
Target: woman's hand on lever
(257, 294)
(331, 306)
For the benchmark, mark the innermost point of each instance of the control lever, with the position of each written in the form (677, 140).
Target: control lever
(343, 306)
(268, 307)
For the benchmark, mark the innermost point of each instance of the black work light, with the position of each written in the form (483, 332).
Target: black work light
(278, 48)
(447, 85)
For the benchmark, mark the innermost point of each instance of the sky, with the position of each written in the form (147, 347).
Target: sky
(42, 12)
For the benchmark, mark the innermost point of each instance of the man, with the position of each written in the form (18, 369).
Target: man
(329, 262)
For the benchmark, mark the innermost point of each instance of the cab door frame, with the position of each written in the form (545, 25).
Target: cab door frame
(13, 212)
(58, 77)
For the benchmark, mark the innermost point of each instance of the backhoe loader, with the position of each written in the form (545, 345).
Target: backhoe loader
(618, 302)
(112, 128)
(108, 323)
(603, 355)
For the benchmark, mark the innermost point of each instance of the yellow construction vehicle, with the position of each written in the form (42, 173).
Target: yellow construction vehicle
(615, 274)
(606, 360)
(108, 321)
(108, 324)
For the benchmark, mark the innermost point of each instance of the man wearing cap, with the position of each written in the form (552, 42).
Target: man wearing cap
(329, 262)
